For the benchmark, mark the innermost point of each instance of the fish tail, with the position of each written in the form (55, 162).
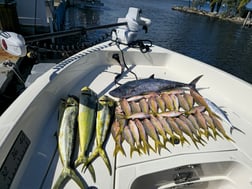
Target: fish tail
(67, 172)
(159, 145)
(132, 149)
(195, 142)
(210, 134)
(147, 146)
(183, 140)
(215, 134)
(228, 138)
(141, 147)
(105, 158)
(193, 83)
(83, 160)
(165, 140)
(235, 128)
(119, 148)
(200, 140)
(172, 140)
(91, 170)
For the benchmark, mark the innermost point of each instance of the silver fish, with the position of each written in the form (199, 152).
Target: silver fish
(222, 115)
(151, 84)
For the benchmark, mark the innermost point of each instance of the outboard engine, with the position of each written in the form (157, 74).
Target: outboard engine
(13, 43)
(128, 33)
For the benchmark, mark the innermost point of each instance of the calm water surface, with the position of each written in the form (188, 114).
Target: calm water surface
(220, 43)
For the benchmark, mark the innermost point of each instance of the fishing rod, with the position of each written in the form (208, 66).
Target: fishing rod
(40, 37)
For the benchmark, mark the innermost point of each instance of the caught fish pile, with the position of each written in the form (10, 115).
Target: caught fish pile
(163, 111)
(90, 114)
(166, 112)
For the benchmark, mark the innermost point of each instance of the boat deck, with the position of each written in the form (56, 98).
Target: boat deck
(216, 165)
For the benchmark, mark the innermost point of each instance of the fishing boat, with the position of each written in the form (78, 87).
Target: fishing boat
(29, 155)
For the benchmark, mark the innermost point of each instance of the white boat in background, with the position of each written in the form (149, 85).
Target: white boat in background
(28, 145)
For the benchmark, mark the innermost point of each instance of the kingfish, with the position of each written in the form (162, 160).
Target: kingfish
(66, 142)
(86, 120)
(105, 111)
(151, 84)
(222, 115)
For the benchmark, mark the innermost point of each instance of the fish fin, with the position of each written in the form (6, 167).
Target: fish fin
(105, 158)
(91, 170)
(235, 128)
(172, 140)
(215, 134)
(193, 83)
(132, 149)
(119, 148)
(67, 172)
(183, 140)
(77, 179)
(228, 138)
(147, 146)
(61, 179)
(152, 76)
(159, 145)
(83, 160)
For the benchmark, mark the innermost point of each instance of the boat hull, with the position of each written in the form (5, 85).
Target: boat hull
(218, 164)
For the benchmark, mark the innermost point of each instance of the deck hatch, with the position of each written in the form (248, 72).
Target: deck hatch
(13, 160)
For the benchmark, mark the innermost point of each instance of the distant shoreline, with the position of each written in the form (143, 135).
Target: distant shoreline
(234, 19)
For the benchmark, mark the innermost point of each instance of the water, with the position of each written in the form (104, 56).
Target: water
(222, 44)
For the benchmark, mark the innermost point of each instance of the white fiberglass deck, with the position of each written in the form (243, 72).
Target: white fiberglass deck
(219, 164)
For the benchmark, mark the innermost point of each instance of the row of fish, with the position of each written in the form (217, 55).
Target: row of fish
(88, 113)
(164, 111)
(155, 117)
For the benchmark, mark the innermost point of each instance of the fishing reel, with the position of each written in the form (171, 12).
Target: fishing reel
(128, 33)
(13, 43)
